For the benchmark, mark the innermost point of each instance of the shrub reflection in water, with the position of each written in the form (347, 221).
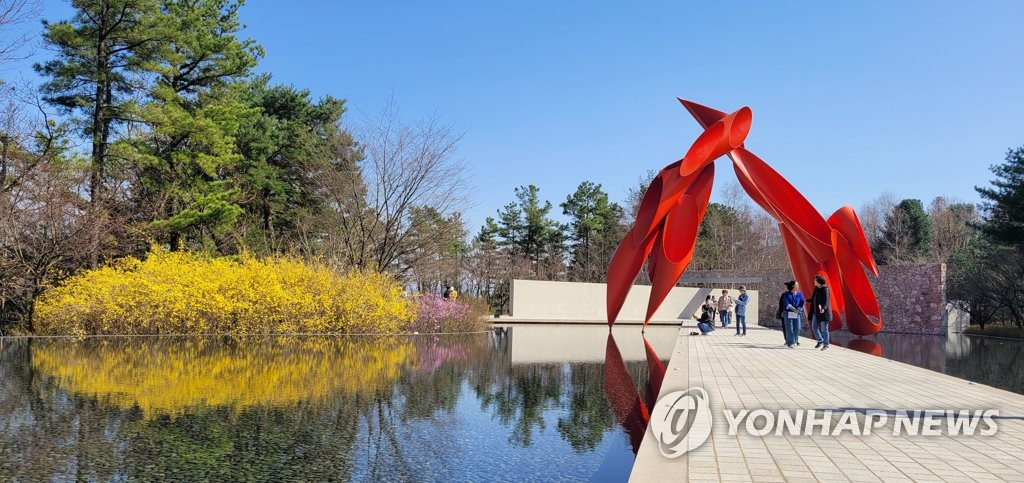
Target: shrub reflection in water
(257, 408)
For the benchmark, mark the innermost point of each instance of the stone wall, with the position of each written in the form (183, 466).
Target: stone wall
(912, 297)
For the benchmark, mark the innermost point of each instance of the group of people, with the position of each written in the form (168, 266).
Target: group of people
(793, 307)
(451, 293)
(722, 308)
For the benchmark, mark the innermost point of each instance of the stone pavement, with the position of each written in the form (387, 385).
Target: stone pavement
(758, 371)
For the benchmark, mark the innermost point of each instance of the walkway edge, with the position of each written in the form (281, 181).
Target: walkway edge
(650, 465)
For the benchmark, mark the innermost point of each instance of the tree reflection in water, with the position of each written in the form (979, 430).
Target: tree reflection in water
(259, 408)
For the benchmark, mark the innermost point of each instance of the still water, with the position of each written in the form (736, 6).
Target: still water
(524, 402)
(520, 403)
(994, 362)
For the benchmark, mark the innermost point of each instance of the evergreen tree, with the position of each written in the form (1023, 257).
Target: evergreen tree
(594, 230)
(525, 228)
(104, 54)
(297, 161)
(1004, 202)
(194, 113)
(906, 237)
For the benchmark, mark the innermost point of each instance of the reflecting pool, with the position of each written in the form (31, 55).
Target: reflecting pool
(523, 402)
(994, 362)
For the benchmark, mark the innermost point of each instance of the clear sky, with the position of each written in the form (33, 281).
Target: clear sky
(850, 99)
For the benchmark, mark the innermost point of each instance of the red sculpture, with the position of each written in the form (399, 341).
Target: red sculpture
(665, 232)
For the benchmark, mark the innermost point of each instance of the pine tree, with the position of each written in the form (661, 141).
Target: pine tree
(906, 237)
(297, 160)
(524, 227)
(194, 112)
(102, 54)
(594, 230)
(1004, 202)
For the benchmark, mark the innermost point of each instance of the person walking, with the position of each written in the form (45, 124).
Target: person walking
(794, 305)
(741, 311)
(724, 304)
(821, 312)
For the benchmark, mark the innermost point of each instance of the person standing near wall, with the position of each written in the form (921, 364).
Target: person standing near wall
(803, 313)
(781, 315)
(794, 301)
(821, 312)
(724, 304)
(714, 308)
(741, 311)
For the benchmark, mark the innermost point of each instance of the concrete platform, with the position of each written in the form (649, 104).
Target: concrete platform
(758, 371)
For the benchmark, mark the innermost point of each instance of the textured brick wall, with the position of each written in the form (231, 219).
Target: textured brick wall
(912, 298)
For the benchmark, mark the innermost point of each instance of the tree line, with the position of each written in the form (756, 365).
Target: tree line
(525, 241)
(151, 127)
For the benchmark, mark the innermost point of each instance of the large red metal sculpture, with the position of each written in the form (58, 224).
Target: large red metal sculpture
(665, 232)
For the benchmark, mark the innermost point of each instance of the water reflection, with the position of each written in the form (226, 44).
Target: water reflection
(632, 410)
(166, 376)
(257, 408)
(995, 362)
(629, 407)
(866, 346)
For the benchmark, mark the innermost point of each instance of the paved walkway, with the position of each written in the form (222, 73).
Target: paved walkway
(758, 371)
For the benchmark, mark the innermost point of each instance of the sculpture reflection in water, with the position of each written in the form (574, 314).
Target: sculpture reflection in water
(665, 232)
(630, 407)
(866, 346)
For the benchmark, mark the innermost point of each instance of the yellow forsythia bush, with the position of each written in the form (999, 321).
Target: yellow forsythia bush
(180, 293)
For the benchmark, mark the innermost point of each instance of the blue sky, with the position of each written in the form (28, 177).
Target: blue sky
(850, 99)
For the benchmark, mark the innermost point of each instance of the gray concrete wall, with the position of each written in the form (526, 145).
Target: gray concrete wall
(585, 302)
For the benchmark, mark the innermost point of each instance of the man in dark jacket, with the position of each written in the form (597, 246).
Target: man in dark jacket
(821, 312)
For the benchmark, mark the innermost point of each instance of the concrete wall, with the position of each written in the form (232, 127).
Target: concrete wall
(585, 302)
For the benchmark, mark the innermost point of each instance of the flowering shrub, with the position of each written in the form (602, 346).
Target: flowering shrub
(438, 314)
(177, 292)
